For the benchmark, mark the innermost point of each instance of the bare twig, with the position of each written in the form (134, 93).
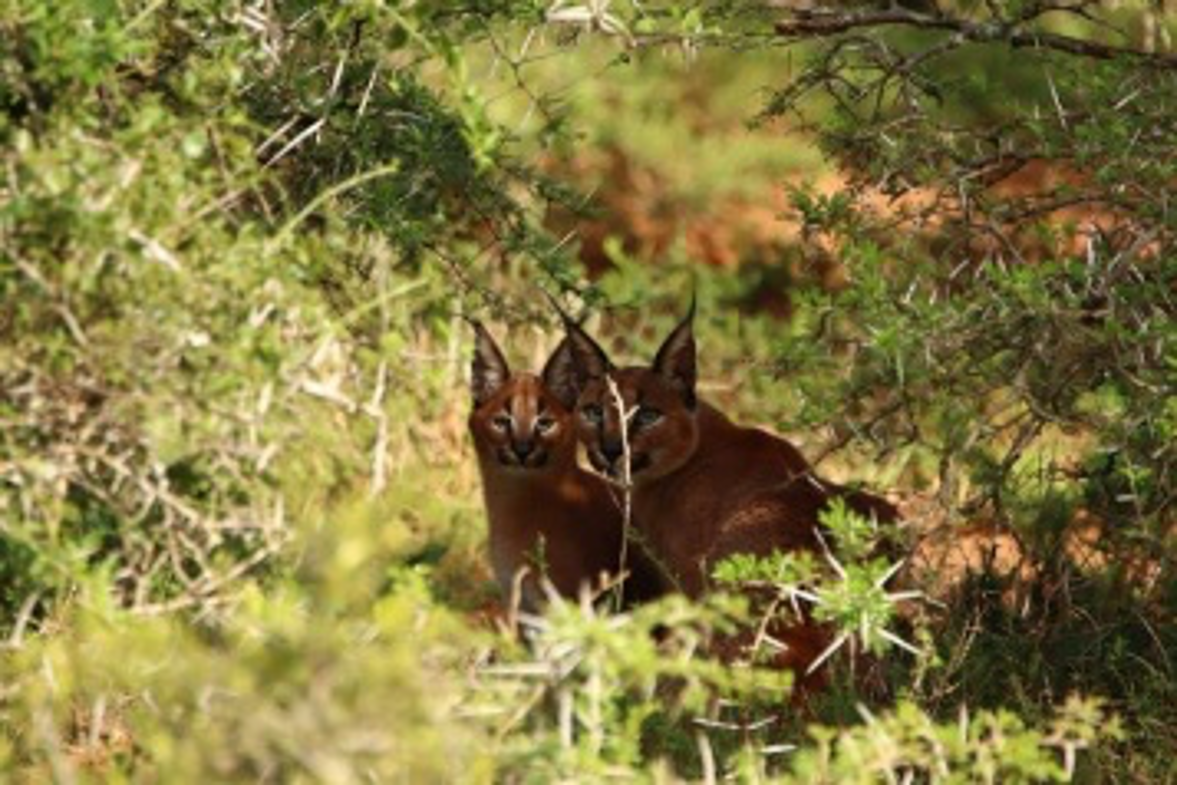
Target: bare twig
(299, 138)
(626, 484)
(827, 21)
(16, 638)
(375, 410)
(706, 756)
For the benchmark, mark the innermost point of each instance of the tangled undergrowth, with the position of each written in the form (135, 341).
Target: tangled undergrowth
(240, 533)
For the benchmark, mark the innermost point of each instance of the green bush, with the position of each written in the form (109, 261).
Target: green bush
(240, 530)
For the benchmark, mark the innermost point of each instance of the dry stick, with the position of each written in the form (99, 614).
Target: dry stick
(595, 715)
(706, 753)
(299, 138)
(375, 410)
(762, 635)
(515, 601)
(826, 21)
(566, 713)
(706, 756)
(97, 720)
(17, 637)
(626, 487)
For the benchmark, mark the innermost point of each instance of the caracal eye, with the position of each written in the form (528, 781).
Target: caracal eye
(545, 424)
(593, 413)
(647, 416)
(501, 421)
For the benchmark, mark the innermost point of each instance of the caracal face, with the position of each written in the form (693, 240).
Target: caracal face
(655, 416)
(521, 421)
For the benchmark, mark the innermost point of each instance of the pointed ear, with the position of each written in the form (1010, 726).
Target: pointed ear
(675, 360)
(559, 375)
(488, 371)
(588, 359)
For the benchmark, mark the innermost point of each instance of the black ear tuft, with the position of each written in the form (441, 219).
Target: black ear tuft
(488, 371)
(675, 360)
(559, 375)
(588, 358)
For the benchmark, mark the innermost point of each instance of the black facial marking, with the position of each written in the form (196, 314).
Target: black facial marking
(488, 368)
(675, 360)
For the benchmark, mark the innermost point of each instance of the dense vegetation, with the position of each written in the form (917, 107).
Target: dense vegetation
(240, 531)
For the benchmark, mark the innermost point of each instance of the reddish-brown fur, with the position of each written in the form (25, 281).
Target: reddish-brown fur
(545, 513)
(704, 487)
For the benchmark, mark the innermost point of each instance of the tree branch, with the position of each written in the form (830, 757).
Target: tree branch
(822, 22)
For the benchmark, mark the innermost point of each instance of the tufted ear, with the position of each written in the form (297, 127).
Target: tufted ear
(559, 375)
(588, 358)
(488, 370)
(675, 360)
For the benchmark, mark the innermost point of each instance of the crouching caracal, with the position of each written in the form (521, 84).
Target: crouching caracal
(704, 488)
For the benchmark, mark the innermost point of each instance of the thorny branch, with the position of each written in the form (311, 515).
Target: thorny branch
(827, 21)
(980, 185)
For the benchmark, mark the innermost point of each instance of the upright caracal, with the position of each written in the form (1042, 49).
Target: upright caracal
(704, 488)
(546, 514)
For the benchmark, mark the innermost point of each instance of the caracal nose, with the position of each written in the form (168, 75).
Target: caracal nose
(523, 448)
(611, 451)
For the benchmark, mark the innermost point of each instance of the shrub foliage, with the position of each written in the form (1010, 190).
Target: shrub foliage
(240, 535)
